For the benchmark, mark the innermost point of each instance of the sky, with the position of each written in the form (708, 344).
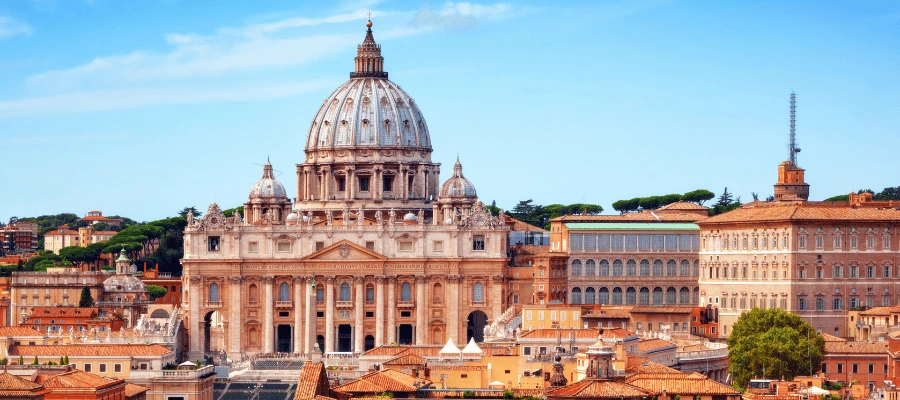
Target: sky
(142, 108)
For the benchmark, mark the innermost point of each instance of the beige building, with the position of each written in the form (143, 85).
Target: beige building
(56, 287)
(64, 236)
(384, 253)
(815, 259)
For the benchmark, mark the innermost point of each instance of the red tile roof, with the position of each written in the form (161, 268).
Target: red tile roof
(519, 226)
(682, 206)
(645, 216)
(646, 345)
(593, 388)
(832, 338)
(881, 311)
(56, 312)
(637, 364)
(680, 384)
(14, 386)
(564, 333)
(833, 348)
(396, 350)
(386, 380)
(77, 379)
(132, 390)
(87, 350)
(6, 331)
(405, 359)
(312, 383)
(807, 211)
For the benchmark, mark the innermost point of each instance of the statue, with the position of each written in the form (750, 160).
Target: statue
(360, 216)
(392, 217)
(378, 217)
(501, 216)
(421, 217)
(238, 217)
(190, 218)
(309, 218)
(346, 215)
(329, 216)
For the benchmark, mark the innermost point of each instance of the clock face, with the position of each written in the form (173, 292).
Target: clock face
(213, 220)
(479, 218)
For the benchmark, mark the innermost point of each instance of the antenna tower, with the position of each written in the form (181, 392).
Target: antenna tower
(793, 149)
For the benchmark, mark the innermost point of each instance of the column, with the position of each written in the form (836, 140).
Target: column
(497, 284)
(196, 289)
(453, 306)
(310, 318)
(300, 184)
(269, 320)
(236, 323)
(391, 310)
(403, 181)
(378, 181)
(351, 184)
(379, 310)
(329, 314)
(326, 180)
(358, 329)
(298, 314)
(421, 305)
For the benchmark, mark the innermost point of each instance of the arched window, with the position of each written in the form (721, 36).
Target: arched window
(345, 292)
(604, 296)
(671, 267)
(657, 267)
(370, 293)
(576, 267)
(405, 292)
(617, 268)
(645, 268)
(630, 295)
(576, 296)
(478, 292)
(437, 293)
(670, 295)
(696, 268)
(589, 296)
(604, 268)
(254, 293)
(213, 292)
(696, 296)
(644, 296)
(684, 296)
(630, 268)
(685, 268)
(657, 296)
(284, 292)
(617, 296)
(590, 268)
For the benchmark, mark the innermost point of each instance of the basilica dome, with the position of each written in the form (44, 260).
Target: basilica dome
(267, 187)
(457, 185)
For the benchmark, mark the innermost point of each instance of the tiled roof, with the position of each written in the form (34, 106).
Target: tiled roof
(645, 216)
(593, 388)
(393, 351)
(669, 309)
(637, 364)
(617, 333)
(832, 338)
(832, 348)
(608, 313)
(11, 385)
(564, 333)
(881, 311)
(808, 211)
(682, 205)
(680, 384)
(312, 383)
(57, 232)
(81, 350)
(84, 312)
(78, 379)
(520, 226)
(405, 359)
(386, 380)
(653, 344)
(132, 390)
(458, 368)
(6, 331)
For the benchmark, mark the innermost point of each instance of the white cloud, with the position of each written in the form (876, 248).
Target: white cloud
(11, 27)
(462, 15)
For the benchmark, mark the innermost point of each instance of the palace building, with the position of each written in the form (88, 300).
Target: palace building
(373, 250)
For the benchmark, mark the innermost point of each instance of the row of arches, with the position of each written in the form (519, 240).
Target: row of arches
(630, 267)
(632, 295)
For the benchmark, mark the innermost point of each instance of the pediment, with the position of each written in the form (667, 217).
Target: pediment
(345, 251)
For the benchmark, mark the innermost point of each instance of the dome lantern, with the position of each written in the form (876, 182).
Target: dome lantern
(368, 62)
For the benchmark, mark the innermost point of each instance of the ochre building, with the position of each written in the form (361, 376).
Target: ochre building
(374, 250)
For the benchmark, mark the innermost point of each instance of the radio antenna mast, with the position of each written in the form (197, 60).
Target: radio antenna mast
(792, 147)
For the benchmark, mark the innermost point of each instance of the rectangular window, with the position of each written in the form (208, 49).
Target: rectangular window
(870, 242)
(840, 368)
(387, 182)
(870, 271)
(801, 304)
(364, 184)
(640, 326)
(320, 246)
(341, 183)
(87, 367)
(838, 242)
(824, 368)
(837, 304)
(253, 247)
(478, 243)
(871, 368)
(284, 247)
(370, 246)
(820, 304)
(854, 368)
(437, 246)
(370, 314)
(526, 350)
(820, 242)
(885, 243)
(406, 246)
(853, 242)
(802, 241)
(854, 271)
(213, 243)
(101, 367)
(117, 367)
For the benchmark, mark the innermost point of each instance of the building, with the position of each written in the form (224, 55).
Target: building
(644, 258)
(815, 259)
(65, 236)
(54, 320)
(124, 296)
(96, 217)
(166, 280)
(388, 253)
(56, 287)
(118, 361)
(866, 363)
(19, 237)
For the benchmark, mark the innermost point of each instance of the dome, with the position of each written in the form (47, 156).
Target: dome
(410, 217)
(368, 110)
(457, 185)
(292, 216)
(267, 187)
(123, 283)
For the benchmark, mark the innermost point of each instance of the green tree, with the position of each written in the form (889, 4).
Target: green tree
(156, 292)
(184, 212)
(79, 256)
(36, 362)
(698, 196)
(725, 199)
(230, 212)
(86, 299)
(889, 193)
(20, 265)
(771, 343)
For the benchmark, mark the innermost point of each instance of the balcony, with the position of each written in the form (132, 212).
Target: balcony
(213, 304)
(284, 304)
(406, 304)
(347, 305)
(124, 303)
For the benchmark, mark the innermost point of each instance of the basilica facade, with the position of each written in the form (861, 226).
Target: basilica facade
(373, 250)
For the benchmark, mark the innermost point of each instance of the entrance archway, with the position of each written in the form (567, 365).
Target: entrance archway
(283, 341)
(475, 326)
(213, 327)
(370, 342)
(345, 338)
(405, 334)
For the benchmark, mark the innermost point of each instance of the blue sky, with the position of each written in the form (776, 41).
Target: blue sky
(142, 108)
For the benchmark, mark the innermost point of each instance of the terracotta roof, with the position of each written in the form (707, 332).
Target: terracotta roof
(84, 312)
(646, 345)
(14, 386)
(645, 216)
(682, 205)
(76, 350)
(832, 348)
(832, 338)
(132, 390)
(386, 380)
(594, 388)
(808, 211)
(77, 379)
(564, 333)
(20, 331)
(519, 226)
(312, 383)
(669, 309)
(395, 350)
(680, 384)
(459, 368)
(617, 333)
(881, 311)
(405, 359)
(57, 232)
(607, 313)
(637, 364)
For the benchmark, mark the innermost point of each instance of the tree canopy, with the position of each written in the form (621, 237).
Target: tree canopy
(540, 216)
(86, 299)
(193, 210)
(698, 196)
(79, 256)
(889, 193)
(771, 343)
(156, 292)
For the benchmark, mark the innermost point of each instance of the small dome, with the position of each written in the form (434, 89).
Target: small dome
(123, 283)
(267, 187)
(457, 185)
(410, 217)
(292, 216)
